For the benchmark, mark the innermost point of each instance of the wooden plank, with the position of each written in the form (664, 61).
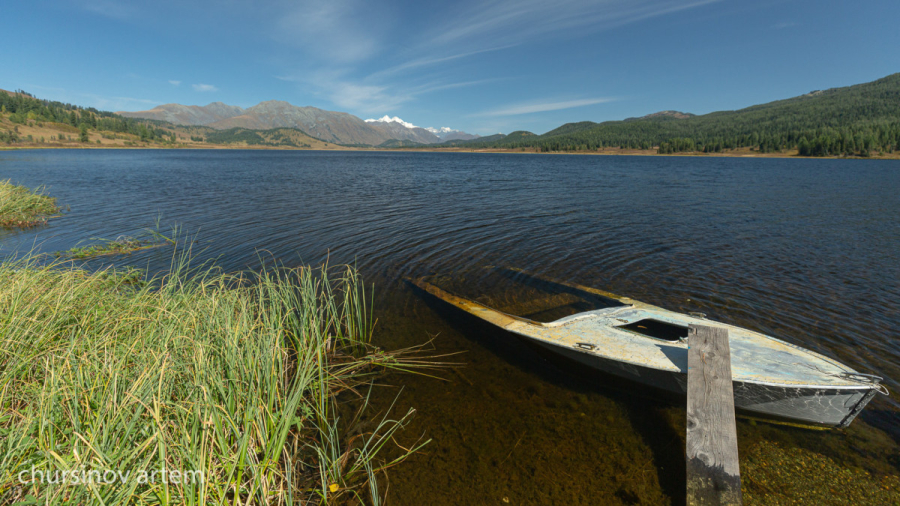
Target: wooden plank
(713, 472)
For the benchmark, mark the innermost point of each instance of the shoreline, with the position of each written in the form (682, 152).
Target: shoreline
(792, 154)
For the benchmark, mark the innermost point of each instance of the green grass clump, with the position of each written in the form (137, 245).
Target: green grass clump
(120, 245)
(232, 376)
(21, 207)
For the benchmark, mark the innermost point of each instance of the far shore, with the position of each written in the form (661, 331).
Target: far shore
(34, 135)
(737, 153)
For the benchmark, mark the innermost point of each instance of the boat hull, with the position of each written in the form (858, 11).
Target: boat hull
(643, 344)
(805, 405)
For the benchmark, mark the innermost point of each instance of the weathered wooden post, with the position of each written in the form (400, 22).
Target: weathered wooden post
(713, 472)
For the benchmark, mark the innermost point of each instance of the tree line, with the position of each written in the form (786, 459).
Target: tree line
(23, 107)
(857, 120)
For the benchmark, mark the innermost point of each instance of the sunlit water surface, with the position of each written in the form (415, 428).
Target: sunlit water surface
(805, 250)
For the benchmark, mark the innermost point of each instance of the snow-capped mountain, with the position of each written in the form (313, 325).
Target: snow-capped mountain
(396, 128)
(405, 130)
(395, 119)
(449, 134)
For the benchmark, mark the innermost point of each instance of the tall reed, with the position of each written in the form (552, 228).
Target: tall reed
(21, 207)
(232, 377)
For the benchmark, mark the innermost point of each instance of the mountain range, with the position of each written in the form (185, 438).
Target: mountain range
(328, 126)
(859, 120)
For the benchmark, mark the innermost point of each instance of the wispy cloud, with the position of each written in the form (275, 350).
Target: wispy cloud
(439, 86)
(520, 21)
(366, 98)
(204, 87)
(368, 95)
(373, 57)
(111, 8)
(784, 24)
(473, 28)
(386, 98)
(338, 88)
(339, 31)
(529, 108)
(120, 103)
(424, 62)
(104, 103)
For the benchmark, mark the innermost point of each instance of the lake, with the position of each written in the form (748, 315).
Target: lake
(805, 250)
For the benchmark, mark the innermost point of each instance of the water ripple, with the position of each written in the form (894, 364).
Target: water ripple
(803, 249)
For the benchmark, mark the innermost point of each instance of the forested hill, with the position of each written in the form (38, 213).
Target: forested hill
(855, 120)
(23, 108)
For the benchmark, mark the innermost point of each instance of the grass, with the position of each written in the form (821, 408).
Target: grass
(121, 245)
(21, 207)
(237, 377)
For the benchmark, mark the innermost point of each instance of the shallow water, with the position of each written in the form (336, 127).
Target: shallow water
(805, 250)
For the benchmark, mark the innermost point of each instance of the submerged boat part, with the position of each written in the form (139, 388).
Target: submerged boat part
(648, 345)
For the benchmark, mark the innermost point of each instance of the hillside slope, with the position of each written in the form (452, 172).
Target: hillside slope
(187, 114)
(856, 119)
(275, 137)
(29, 121)
(329, 126)
(398, 131)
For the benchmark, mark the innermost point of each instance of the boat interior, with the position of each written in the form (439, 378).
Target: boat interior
(657, 329)
(520, 294)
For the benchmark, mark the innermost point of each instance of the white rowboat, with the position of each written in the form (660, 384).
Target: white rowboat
(647, 345)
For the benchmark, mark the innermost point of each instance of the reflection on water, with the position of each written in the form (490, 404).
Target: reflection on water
(804, 250)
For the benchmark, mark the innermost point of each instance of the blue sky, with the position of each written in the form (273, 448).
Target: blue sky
(480, 66)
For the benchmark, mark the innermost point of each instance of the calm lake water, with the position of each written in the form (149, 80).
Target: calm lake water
(805, 250)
